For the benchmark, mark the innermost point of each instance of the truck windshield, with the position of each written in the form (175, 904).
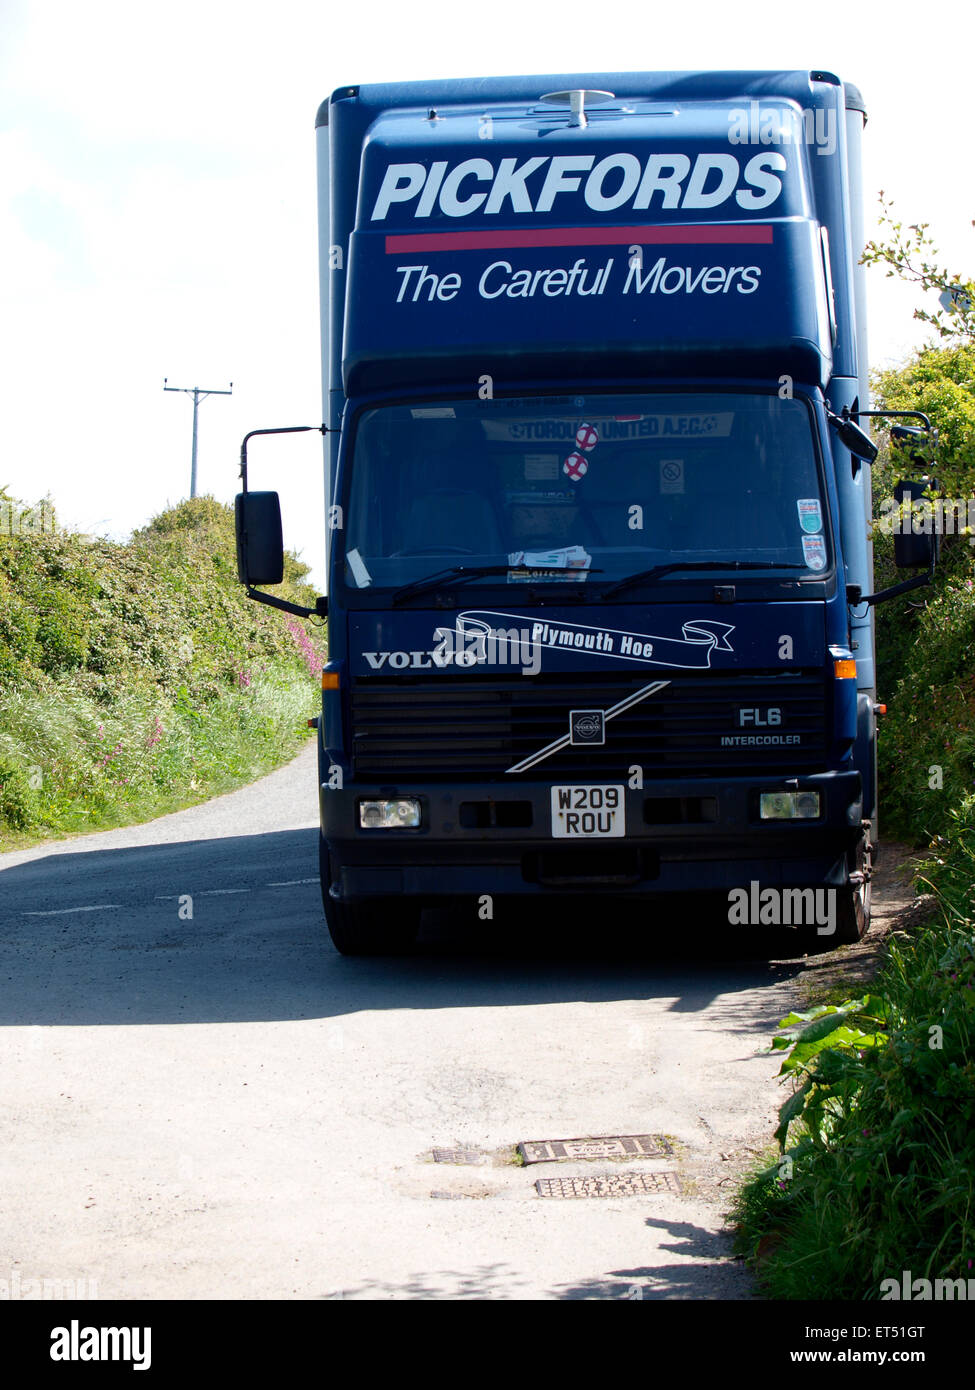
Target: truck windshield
(584, 489)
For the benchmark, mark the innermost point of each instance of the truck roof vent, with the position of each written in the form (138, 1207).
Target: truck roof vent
(576, 101)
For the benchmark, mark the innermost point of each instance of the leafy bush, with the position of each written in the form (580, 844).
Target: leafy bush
(137, 676)
(926, 639)
(18, 799)
(880, 1176)
(938, 381)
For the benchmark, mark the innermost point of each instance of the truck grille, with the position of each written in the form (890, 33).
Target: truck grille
(479, 726)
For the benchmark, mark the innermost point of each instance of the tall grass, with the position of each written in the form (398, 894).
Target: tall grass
(69, 764)
(877, 1172)
(136, 678)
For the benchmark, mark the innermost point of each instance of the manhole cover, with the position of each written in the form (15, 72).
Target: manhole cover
(469, 1156)
(613, 1146)
(609, 1185)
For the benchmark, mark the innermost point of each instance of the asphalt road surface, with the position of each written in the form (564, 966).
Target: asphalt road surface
(223, 1107)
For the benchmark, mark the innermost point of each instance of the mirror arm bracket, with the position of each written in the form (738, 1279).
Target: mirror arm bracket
(321, 604)
(286, 429)
(904, 587)
(319, 611)
(846, 414)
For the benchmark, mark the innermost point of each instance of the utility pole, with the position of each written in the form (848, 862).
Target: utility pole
(198, 394)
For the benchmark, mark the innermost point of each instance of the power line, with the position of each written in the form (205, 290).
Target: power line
(198, 394)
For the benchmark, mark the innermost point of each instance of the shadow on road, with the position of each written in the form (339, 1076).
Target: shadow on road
(705, 1271)
(96, 937)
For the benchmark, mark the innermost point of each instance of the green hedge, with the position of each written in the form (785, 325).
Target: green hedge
(877, 1173)
(138, 676)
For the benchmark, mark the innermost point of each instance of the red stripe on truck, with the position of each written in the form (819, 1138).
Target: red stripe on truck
(712, 233)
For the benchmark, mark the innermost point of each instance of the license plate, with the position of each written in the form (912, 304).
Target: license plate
(588, 812)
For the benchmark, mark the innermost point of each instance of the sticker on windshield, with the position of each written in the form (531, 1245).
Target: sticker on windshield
(587, 437)
(814, 551)
(541, 467)
(810, 515)
(550, 497)
(569, 564)
(712, 425)
(357, 565)
(433, 412)
(576, 467)
(671, 475)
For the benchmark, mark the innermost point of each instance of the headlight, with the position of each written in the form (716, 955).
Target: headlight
(788, 805)
(389, 815)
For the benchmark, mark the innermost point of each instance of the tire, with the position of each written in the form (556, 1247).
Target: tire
(374, 927)
(852, 904)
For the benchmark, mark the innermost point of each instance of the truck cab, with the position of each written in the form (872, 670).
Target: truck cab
(593, 357)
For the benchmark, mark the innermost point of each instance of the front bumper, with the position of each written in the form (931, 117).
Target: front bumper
(689, 835)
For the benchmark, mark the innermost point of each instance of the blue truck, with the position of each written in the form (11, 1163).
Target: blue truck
(600, 618)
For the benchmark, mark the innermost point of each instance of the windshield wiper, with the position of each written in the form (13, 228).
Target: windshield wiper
(463, 574)
(647, 576)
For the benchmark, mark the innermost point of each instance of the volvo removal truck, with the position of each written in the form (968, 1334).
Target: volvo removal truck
(598, 505)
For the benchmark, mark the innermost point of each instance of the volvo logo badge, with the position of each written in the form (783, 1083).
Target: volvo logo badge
(587, 726)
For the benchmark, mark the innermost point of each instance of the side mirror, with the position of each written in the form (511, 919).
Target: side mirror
(913, 551)
(860, 445)
(260, 542)
(908, 437)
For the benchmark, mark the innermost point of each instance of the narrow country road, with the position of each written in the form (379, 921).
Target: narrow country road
(223, 1107)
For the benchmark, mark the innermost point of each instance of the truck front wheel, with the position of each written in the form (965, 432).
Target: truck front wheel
(852, 905)
(373, 927)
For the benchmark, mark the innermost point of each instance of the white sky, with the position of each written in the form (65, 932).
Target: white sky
(158, 204)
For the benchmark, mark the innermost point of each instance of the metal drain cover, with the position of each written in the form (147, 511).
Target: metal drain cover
(613, 1146)
(609, 1185)
(469, 1156)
